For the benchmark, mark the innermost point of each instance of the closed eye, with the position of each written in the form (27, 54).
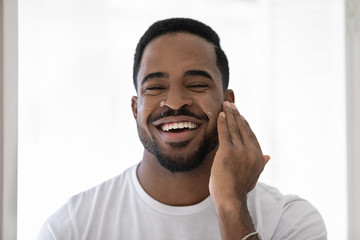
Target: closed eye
(153, 89)
(198, 87)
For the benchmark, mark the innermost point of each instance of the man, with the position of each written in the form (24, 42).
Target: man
(201, 162)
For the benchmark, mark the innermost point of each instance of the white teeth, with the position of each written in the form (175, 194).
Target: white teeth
(181, 125)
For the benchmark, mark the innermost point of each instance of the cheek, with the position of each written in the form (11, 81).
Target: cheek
(144, 110)
(141, 118)
(212, 108)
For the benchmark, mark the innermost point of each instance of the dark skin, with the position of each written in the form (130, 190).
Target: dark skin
(167, 79)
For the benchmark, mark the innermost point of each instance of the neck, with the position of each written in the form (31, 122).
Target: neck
(175, 189)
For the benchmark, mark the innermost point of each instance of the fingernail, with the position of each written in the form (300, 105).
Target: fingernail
(227, 103)
(222, 114)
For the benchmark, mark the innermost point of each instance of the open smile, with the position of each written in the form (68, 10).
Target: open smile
(178, 126)
(177, 129)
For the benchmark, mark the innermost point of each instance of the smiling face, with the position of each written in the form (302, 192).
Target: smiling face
(179, 98)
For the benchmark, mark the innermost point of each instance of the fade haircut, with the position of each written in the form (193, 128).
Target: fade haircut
(185, 25)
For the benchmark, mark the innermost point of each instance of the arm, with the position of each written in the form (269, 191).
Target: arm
(236, 168)
(300, 220)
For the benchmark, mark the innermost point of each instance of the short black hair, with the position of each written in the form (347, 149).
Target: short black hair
(187, 25)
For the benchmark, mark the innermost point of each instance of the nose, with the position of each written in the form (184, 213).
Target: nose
(176, 99)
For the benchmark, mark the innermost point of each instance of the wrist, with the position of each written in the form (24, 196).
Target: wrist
(227, 204)
(234, 219)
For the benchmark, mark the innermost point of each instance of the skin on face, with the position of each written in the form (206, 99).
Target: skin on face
(178, 72)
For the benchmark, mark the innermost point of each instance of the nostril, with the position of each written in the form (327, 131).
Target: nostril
(176, 101)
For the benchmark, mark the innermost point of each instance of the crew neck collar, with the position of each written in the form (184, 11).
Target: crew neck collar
(167, 209)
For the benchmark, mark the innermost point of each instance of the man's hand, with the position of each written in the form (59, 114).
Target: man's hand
(237, 166)
(239, 160)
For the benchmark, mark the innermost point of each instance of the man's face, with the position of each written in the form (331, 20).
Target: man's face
(179, 98)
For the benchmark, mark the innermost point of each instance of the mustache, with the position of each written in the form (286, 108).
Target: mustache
(183, 111)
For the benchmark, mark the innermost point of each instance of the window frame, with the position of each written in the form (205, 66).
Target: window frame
(352, 35)
(8, 117)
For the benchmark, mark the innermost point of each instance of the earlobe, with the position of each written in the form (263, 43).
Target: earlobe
(229, 95)
(134, 100)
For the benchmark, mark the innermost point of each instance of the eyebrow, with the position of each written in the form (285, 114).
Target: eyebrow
(198, 73)
(154, 75)
(166, 75)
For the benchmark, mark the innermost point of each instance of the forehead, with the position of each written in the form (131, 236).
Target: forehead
(178, 50)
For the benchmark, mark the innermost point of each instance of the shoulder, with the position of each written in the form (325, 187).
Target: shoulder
(105, 193)
(270, 196)
(81, 209)
(291, 217)
(55, 225)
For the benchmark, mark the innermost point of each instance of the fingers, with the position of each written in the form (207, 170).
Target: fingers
(231, 123)
(239, 130)
(223, 130)
(251, 134)
(234, 129)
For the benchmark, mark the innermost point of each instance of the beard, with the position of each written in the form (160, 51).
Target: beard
(178, 161)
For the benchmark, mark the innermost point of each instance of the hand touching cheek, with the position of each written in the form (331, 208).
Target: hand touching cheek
(239, 160)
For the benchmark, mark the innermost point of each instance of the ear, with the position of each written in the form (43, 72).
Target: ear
(229, 95)
(134, 101)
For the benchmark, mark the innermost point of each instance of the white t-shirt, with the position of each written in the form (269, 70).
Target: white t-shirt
(120, 209)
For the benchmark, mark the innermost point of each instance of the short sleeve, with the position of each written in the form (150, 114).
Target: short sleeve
(300, 220)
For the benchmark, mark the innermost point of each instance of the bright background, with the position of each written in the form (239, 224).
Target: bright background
(75, 84)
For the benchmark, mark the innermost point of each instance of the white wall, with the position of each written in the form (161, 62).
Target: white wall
(76, 128)
(307, 103)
